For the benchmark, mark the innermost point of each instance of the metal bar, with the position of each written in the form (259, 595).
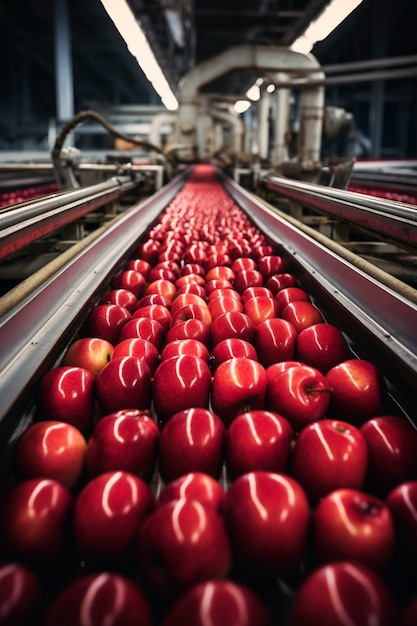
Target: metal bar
(34, 333)
(377, 317)
(395, 220)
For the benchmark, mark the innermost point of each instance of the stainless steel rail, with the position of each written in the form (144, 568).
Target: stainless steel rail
(395, 221)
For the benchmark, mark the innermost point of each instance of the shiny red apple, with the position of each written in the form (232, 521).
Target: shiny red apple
(402, 502)
(106, 321)
(91, 353)
(275, 340)
(139, 349)
(124, 383)
(301, 314)
(232, 324)
(21, 595)
(177, 347)
(121, 297)
(322, 346)
(231, 348)
(146, 328)
(130, 279)
(189, 329)
(194, 486)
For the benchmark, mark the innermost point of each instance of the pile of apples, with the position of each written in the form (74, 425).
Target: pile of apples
(210, 451)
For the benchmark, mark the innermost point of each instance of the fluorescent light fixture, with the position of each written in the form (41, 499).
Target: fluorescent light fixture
(254, 93)
(241, 106)
(127, 25)
(330, 18)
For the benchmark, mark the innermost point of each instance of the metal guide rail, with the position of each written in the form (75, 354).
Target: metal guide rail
(395, 221)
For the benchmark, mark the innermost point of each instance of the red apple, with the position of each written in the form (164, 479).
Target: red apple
(231, 348)
(291, 294)
(223, 304)
(146, 328)
(323, 346)
(34, 514)
(180, 383)
(153, 298)
(189, 329)
(275, 340)
(280, 281)
(106, 321)
(149, 251)
(329, 455)
(185, 346)
(138, 348)
(277, 368)
(130, 279)
(156, 312)
(244, 263)
(220, 272)
(158, 272)
(192, 268)
(124, 383)
(239, 385)
(191, 440)
(217, 258)
(271, 264)
(51, 449)
(349, 524)
(301, 314)
(392, 447)
(194, 486)
(301, 394)
(402, 502)
(139, 265)
(97, 599)
(66, 394)
(107, 512)
(186, 298)
(261, 308)
(125, 440)
(267, 517)
(232, 324)
(199, 290)
(162, 287)
(181, 544)
(220, 292)
(247, 278)
(20, 595)
(218, 602)
(255, 292)
(342, 593)
(217, 283)
(121, 297)
(192, 311)
(258, 440)
(170, 265)
(190, 279)
(91, 353)
(357, 390)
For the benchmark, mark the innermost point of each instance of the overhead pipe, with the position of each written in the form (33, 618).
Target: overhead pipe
(262, 59)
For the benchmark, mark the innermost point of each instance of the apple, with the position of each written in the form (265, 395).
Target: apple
(192, 268)
(217, 258)
(239, 385)
(106, 321)
(191, 440)
(125, 440)
(131, 280)
(247, 278)
(280, 281)
(261, 308)
(180, 544)
(139, 265)
(271, 264)
(169, 264)
(350, 524)
(337, 594)
(161, 272)
(244, 263)
(267, 518)
(157, 312)
(223, 304)
(66, 394)
(301, 314)
(258, 440)
(392, 448)
(199, 290)
(146, 328)
(329, 455)
(291, 294)
(121, 297)
(34, 514)
(195, 254)
(140, 349)
(402, 502)
(148, 251)
(220, 272)
(275, 340)
(323, 346)
(179, 383)
(261, 250)
(182, 299)
(254, 292)
(357, 390)
(20, 595)
(185, 346)
(277, 368)
(124, 383)
(190, 279)
(218, 602)
(231, 348)
(217, 283)
(91, 353)
(107, 512)
(301, 394)
(192, 311)
(189, 329)
(51, 449)
(232, 324)
(162, 287)
(100, 598)
(194, 486)
(153, 298)
(227, 292)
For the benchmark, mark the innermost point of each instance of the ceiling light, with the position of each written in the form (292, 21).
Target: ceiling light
(241, 106)
(129, 28)
(333, 15)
